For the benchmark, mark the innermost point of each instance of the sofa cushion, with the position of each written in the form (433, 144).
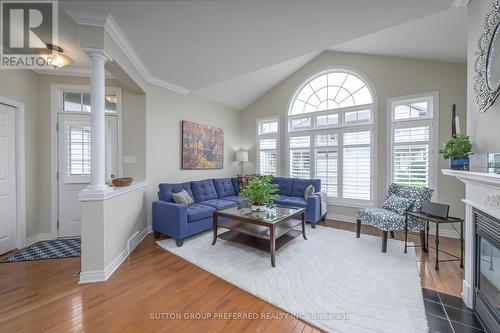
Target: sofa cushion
(235, 198)
(279, 200)
(219, 204)
(285, 185)
(300, 185)
(203, 190)
(382, 219)
(398, 204)
(236, 185)
(166, 190)
(224, 187)
(295, 202)
(197, 212)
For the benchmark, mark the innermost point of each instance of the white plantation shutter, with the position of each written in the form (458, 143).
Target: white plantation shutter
(300, 157)
(267, 146)
(268, 156)
(326, 170)
(300, 163)
(412, 141)
(411, 165)
(357, 165)
(410, 156)
(357, 173)
(78, 150)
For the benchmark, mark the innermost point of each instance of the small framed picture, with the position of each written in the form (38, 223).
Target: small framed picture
(494, 162)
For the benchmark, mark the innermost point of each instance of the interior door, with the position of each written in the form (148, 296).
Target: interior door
(8, 224)
(74, 165)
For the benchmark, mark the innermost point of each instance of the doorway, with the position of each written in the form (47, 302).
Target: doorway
(8, 201)
(73, 132)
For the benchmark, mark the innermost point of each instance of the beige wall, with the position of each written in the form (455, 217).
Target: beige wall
(482, 127)
(391, 77)
(34, 90)
(166, 110)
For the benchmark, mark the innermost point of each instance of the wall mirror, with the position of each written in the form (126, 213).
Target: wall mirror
(487, 64)
(493, 62)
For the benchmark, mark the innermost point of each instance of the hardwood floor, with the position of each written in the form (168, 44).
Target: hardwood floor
(151, 286)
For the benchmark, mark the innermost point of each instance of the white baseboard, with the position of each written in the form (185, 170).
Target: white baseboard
(37, 238)
(443, 231)
(342, 218)
(100, 276)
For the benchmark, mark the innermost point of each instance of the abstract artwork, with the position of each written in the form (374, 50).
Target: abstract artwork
(202, 146)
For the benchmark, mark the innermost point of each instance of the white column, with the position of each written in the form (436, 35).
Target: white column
(98, 122)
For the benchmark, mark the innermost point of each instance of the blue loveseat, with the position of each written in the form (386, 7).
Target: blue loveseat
(181, 221)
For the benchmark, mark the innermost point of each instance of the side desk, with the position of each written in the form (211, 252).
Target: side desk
(438, 221)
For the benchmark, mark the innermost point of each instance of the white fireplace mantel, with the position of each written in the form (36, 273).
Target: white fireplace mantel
(480, 178)
(482, 191)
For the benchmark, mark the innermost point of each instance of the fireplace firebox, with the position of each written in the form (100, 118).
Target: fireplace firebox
(487, 270)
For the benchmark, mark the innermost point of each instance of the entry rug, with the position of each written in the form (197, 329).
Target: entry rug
(332, 280)
(50, 249)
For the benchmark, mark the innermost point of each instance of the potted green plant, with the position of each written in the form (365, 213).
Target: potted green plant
(457, 150)
(260, 192)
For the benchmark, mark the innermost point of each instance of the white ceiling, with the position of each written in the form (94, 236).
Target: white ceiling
(233, 52)
(198, 43)
(441, 36)
(241, 91)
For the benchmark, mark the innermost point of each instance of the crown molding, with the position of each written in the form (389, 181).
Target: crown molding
(97, 18)
(70, 71)
(87, 16)
(460, 3)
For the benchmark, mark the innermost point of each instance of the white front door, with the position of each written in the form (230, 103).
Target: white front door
(74, 165)
(8, 224)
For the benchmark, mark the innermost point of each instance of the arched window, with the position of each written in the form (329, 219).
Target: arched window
(330, 135)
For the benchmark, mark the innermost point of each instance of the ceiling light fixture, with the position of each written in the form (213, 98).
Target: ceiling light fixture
(54, 56)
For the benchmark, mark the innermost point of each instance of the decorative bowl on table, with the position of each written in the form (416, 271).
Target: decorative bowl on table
(120, 182)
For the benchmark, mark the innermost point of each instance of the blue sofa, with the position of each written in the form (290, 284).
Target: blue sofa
(181, 221)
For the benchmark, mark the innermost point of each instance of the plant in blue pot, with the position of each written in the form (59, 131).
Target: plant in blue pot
(457, 150)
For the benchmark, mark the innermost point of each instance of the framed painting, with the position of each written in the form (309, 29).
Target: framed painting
(202, 146)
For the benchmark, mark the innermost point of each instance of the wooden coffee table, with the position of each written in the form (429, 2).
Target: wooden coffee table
(269, 230)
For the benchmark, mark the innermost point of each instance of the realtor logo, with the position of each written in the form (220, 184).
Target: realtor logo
(27, 29)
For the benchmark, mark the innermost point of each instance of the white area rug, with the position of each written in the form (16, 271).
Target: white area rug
(330, 276)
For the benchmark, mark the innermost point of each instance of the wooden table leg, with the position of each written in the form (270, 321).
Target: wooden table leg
(215, 229)
(304, 225)
(272, 243)
(437, 246)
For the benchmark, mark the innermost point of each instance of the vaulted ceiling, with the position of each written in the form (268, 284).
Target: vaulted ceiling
(249, 46)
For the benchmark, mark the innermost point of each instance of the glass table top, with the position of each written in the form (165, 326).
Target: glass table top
(269, 215)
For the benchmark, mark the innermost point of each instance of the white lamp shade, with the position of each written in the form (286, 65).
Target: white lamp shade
(241, 156)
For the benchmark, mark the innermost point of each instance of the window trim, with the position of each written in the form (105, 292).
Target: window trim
(339, 129)
(58, 108)
(267, 136)
(431, 120)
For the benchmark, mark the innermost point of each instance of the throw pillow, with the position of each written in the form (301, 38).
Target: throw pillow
(308, 192)
(397, 204)
(182, 198)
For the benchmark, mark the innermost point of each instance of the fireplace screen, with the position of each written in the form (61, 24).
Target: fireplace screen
(489, 273)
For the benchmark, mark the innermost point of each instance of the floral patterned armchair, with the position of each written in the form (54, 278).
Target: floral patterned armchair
(390, 221)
